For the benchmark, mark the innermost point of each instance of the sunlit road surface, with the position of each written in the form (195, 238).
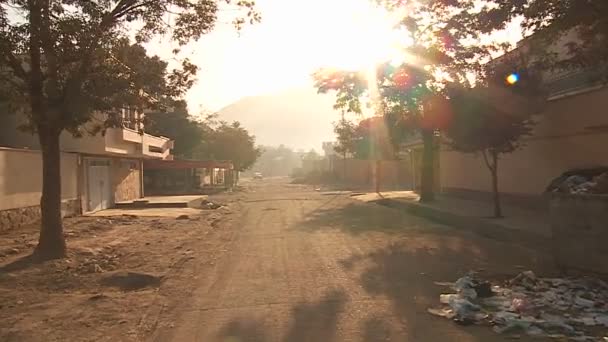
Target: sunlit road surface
(314, 266)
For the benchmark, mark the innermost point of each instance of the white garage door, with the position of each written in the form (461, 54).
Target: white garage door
(99, 189)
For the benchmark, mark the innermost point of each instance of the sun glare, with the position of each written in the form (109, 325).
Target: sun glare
(368, 36)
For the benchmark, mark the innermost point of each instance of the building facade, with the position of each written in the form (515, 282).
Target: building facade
(97, 170)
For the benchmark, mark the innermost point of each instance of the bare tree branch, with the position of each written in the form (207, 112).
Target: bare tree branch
(485, 158)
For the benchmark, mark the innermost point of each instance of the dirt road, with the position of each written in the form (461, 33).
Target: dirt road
(314, 266)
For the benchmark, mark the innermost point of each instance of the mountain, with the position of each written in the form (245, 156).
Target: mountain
(296, 118)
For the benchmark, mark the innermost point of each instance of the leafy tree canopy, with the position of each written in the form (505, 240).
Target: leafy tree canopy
(228, 141)
(461, 28)
(70, 58)
(175, 123)
(345, 134)
(277, 161)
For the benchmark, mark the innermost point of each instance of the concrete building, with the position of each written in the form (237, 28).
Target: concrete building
(97, 171)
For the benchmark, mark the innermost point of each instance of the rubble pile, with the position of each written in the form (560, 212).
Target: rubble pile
(576, 309)
(584, 181)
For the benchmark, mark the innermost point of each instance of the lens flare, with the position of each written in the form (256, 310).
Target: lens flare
(512, 78)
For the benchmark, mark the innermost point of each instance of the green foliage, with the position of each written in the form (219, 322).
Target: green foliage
(311, 155)
(211, 139)
(226, 141)
(176, 124)
(492, 118)
(372, 140)
(64, 60)
(479, 124)
(456, 27)
(345, 133)
(494, 115)
(398, 93)
(277, 161)
(68, 59)
(350, 88)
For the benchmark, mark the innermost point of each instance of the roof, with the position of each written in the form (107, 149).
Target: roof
(156, 164)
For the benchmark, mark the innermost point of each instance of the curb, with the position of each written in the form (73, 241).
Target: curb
(477, 225)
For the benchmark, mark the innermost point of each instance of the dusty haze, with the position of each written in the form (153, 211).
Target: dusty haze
(297, 118)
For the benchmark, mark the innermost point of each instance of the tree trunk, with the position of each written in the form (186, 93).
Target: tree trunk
(427, 176)
(344, 166)
(51, 244)
(495, 192)
(378, 176)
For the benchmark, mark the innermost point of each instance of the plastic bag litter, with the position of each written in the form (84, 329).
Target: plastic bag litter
(443, 312)
(548, 307)
(463, 308)
(446, 298)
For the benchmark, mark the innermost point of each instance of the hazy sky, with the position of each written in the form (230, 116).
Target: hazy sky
(295, 38)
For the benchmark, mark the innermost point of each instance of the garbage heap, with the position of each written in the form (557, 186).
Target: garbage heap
(581, 181)
(576, 309)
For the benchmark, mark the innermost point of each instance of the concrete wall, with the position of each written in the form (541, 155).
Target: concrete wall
(21, 178)
(21, 186)
(580, 218)
(393, 173)
(571, 133)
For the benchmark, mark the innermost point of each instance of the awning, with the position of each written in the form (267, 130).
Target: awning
(157, 164)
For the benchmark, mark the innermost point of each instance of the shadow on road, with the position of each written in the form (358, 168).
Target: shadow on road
(405, 272)
(376, 330)
(20, 264)
(356, 218)
(243, 330)
(317, 321)
(404, 267)
(310, 322)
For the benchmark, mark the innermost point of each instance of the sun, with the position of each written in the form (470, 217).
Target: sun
(367, 36)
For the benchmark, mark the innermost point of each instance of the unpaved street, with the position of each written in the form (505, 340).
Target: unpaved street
(278, 262)
(320, 266)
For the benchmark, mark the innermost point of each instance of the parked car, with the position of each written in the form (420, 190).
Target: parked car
(258, 175)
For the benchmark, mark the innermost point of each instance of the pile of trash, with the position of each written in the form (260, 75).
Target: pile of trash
(576, 309)
(208, 205)
(582, 181)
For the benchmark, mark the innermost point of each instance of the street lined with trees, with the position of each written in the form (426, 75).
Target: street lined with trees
(64, 60)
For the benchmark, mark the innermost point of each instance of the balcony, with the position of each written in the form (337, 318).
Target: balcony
(157, 147)
(129, 142)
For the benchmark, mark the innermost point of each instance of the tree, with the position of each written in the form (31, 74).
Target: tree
(277, 161)
(372, 140)
(229, 142)
(175, 123)
(346, 144)
(65, 60)
(311, 155)
(399, 94)
(345, 136)
(460, 28)
(491, 119)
